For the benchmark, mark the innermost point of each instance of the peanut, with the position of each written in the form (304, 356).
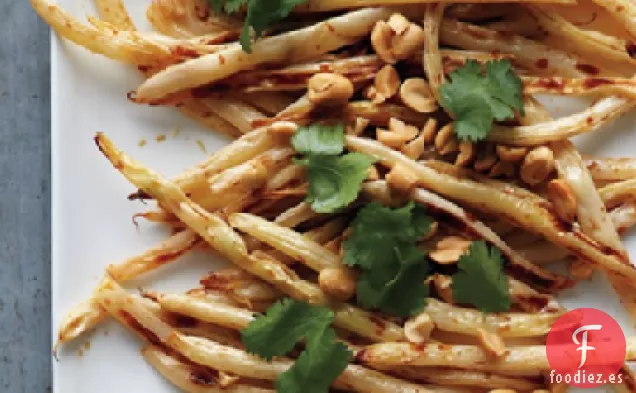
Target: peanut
(563, 199)
(537, 165)
(386, 84)
(381, 41)
(418, 330)
(339, 282)
(449, 250)
(415, 148)
(401, 179)
(445, 140)
(511, 153)
(325, 89)
(358, 127)
(417, 95)
(466, 153)
(397, 39)
(429, 131)
(389, 138)
(408, 132)
(492, 343)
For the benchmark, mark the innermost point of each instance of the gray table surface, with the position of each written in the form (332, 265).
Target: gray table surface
(25, 295)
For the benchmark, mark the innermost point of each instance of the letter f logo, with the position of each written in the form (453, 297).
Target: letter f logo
(583, 343)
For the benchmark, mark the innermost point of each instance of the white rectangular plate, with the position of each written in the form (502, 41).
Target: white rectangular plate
(91, 217)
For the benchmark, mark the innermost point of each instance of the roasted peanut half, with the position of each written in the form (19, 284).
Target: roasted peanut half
(409, 37)
(429, 131)
(326, 89)
(445, 140)
(492, 343)
(415, 148)
(358, 126)
(418, 330)
(339, 282)
(401, 179)
(381, 41)
(511, 153)
(399, 24)
(390, 138)
(466, 154)
(449, 250)
(417, 95)
(407, 131)
(537, 165)
(387, 83)
(563, 199)
(397, 39)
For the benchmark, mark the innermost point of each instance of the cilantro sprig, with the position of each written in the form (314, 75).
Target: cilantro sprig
(384, 246)
(319, 139)
(476, 99)
(285, 324)
(260, 15)
(481, 280)
(334, 179)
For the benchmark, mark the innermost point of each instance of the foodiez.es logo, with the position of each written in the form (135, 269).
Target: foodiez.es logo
(586, 348)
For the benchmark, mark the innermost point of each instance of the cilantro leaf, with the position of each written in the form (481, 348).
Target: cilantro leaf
(261, 14)
(335, 181)
(232, 6)
(322, 361)
(319, 139)
(384, 245)
(379, 230)
(480, 280)
(405, 293)
(285, 323)
(476, 99)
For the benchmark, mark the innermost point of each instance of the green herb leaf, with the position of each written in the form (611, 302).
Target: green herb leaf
(232, 6)
(261, 14)
(286, 322)
(335, 181)
(319, 139)
(481, 280)
(378, 230)
(405, 293)
(384, 245)
(476, 99)
(322, 361)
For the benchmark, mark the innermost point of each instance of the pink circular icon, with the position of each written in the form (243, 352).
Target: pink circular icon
(586, 348)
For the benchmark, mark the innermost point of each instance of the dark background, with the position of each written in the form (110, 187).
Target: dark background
(25, 235)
